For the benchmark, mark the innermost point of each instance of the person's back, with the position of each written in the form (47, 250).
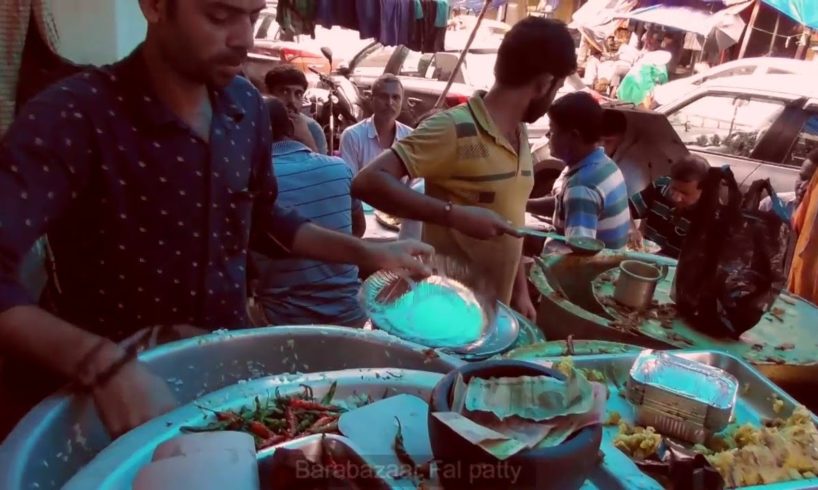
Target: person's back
(603, 177)
(294, 290)
(593, 202)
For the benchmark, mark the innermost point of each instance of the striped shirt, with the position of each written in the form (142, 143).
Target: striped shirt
(594, 201)
(297, 291)
(664, 225)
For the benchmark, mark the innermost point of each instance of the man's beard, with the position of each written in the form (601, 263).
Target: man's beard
(537, 109)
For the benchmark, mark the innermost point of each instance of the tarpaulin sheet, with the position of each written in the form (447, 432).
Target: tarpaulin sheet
(725, 26)
(803, 11)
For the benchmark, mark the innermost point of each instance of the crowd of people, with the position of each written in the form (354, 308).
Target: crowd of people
(170, 192)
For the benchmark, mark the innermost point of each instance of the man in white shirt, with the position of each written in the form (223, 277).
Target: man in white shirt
(364, 141)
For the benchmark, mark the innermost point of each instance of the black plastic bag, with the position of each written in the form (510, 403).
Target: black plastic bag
(731, 267)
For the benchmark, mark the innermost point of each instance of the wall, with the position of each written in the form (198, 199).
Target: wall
(97, 31)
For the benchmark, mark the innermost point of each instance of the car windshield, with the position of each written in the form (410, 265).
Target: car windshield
(481, 69)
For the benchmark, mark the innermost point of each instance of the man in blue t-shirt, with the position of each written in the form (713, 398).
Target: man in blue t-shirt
(294, 290)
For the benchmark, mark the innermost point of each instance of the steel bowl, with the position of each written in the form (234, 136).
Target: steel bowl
(63, 433)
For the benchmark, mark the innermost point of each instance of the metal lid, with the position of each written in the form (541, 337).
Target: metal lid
(453, 308)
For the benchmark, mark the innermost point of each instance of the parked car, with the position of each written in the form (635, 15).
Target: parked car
(763, 126)
(669, 92)
(424, 77)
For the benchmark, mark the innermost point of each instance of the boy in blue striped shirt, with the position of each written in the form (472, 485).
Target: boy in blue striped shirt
(592, 198)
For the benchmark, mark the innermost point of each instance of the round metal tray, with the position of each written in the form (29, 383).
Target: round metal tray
(63, 433)
(466, 317)
(559, 348)
(503, 333)
(117, 465)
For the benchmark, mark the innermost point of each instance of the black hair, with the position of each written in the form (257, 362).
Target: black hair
(613, 123)
(578, 112)
(279, 118)
(533, 47)
(385, 79)
(284, 75)
(690, 168)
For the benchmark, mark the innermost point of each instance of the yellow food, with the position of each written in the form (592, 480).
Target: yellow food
(566, 367)
(778, 405)
(613, 418)
(770, 454)
(637, 442)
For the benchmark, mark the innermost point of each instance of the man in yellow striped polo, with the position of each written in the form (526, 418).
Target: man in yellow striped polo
(477, 163)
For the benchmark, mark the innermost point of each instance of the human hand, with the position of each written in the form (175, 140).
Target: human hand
(522, 304)
(480, 223)
(404, 254)
(636, 241)
(131, 397)
(301, 131)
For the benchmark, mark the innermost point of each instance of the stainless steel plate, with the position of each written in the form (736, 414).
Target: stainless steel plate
(503, 332)
(436, 311)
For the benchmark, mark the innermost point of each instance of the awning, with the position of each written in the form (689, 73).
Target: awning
(725, 25)
(802, 11)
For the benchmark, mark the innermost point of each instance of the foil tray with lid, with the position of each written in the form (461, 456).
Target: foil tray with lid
(680, 397)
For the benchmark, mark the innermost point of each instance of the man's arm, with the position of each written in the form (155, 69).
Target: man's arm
(358, 218)
(43, 167)
(430, 152)
(318, 136)
(380, 184)
(279, 231)
(543, 206)
(302, 131)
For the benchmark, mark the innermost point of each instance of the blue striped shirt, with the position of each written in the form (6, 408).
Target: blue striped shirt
(296, 291)
(594, 201)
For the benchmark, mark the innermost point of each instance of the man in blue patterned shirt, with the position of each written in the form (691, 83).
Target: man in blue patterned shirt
(593, 198)
(152, 178)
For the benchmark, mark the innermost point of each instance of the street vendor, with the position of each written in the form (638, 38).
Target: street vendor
(151, 178)
(666, 206)
(477, 163)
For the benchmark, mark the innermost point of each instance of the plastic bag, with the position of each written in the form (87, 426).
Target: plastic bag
(731, 267)
(640, 81)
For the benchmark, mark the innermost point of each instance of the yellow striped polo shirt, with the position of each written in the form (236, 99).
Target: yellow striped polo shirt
(465, 159)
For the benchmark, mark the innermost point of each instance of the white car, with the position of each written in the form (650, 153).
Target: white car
(664, 94)
(762, 126)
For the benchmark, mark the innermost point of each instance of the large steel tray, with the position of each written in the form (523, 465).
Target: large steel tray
(753, 406)
(64, 432)
(117, 465)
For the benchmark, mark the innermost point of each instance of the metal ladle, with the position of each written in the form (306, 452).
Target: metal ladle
(578, 245)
